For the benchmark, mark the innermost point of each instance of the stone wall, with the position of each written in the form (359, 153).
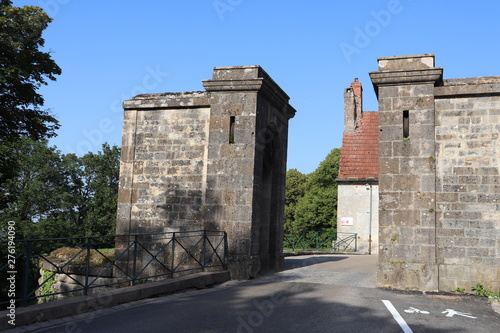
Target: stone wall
(72, 282)
(468, 184)
(439, 174)
(210, 160)
(164, 164)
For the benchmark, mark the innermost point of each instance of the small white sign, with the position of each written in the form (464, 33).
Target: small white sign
(346, 221)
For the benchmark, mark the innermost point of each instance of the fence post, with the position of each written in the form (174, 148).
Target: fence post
(172, 259)
(226, 251)
(87, 267)
(26, 274)
(203, 250)
(135, 260)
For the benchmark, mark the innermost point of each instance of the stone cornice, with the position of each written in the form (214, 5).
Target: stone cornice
(194, 99)
(383, 78)
(469, 87)
(402, 77)
(225, 81)
(233, 85)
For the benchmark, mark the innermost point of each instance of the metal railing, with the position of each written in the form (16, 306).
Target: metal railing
(43, 270)
(321, 241)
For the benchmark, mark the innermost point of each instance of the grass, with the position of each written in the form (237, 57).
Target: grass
(96, 258)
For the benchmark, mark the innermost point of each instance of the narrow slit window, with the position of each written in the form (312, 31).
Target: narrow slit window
(232, 121)
(406, 124)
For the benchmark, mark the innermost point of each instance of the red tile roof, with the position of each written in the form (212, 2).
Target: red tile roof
(359, 156)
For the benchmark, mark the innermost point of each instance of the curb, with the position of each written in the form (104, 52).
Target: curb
(81, 304)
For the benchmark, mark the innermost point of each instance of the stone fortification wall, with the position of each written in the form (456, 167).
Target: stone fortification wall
(439, 175)
(407, 174)
(468, 183)
(164, 163)
(210, 160)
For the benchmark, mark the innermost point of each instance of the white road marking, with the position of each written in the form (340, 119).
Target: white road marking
(451, 313)
(397, 316)
(414, 310)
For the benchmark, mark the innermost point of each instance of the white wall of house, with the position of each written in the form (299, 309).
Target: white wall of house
(354, 206)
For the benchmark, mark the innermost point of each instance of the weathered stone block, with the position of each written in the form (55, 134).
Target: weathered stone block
(406, 63)
(407, 182)
(391, 133)
(389, 166)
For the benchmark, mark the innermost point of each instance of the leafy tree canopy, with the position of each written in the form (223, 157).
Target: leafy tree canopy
(311, 200)
(295, 190)
(24, 67)
(55, 195)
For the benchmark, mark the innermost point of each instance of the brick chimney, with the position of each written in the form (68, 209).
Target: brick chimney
(353, 106)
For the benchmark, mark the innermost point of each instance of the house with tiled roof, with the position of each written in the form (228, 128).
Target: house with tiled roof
(358, 175)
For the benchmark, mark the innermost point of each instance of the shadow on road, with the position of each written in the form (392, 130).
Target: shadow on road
(298, 262)
(249, 308)
(333, 298)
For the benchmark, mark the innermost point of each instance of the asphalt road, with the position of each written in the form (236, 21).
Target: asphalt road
(313, 294)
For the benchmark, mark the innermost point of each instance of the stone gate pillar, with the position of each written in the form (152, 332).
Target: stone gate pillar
(407, 172)
(210, 160)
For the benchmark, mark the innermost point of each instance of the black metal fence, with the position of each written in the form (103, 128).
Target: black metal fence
(44, 269)
(321, 241)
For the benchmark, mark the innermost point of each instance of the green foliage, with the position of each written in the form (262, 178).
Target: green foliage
(78, 256)
(23, 69)
(458, 290)
(49, 280)
(311, 202)
(101, 174)
(295, 190)
(53, 195)
(480, 290)
(33, 193)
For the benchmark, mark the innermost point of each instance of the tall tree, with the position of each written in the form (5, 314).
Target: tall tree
(37, 192)
(24, 67)
(317, 210)
(295, 190)
(55, 195)
(101, 176)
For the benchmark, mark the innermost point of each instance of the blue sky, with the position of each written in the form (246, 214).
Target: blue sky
(111, 50)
